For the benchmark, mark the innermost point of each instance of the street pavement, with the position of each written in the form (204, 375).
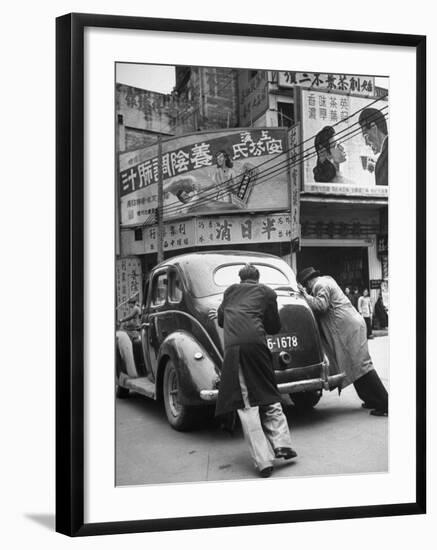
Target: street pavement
(337, 437)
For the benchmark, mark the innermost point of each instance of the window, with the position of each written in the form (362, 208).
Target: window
(138, 234)
(285, 114)
(228, 274)
(159, 291)
(174, 287)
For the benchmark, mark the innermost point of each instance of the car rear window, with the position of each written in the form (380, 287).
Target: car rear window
(228, 274)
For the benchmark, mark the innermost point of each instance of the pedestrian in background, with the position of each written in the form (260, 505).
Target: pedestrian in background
(381, 312)
(247, 313)
(355, 297)
(343, 332)
(348, 294)
(365, 310)
(132, 320)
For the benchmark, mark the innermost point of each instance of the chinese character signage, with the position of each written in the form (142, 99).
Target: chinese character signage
(176, 235)
(361, 85)
(294, 148)
(382, 245)
(253, 95)
(337, 158)
(243, 229)
(128, 283)
(205, 172)
(216, 230)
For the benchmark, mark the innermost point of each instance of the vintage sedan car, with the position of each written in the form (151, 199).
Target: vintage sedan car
(176, 354)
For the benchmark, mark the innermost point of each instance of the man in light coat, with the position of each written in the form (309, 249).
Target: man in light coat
(247, 313)
(345, 338)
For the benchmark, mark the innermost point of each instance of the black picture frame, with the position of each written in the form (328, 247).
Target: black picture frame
(70, 273)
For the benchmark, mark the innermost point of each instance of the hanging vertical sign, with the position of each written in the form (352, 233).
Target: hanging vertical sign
(128, 283)
(294, 156)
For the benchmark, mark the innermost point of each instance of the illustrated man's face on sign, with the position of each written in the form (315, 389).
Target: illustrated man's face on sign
(371, 136)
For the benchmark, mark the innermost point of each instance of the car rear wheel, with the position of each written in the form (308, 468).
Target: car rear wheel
(305, 401)
(180, 417)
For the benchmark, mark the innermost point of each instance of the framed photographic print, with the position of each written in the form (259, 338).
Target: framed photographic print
(240, 274)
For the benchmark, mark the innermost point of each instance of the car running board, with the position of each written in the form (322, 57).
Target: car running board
(142, 385)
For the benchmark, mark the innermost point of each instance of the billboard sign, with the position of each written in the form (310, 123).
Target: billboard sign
(333, 82)
(217, 230)
(223, 171)
(347, 166)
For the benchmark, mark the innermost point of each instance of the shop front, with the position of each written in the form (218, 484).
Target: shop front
(347, 261)
(342, 240)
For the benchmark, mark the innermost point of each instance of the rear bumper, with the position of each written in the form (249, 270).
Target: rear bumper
(314, 384)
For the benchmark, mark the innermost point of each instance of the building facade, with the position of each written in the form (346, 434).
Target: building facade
(342, 225)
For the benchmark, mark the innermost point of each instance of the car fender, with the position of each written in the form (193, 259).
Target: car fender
(125, 360)
(195, 368)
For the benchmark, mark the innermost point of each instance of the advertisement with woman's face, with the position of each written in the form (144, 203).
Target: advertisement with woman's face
(222, 171)
(336, 157)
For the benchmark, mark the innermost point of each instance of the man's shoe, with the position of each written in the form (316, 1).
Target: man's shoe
(266, 472)
(285, 453)
(379, 412)
(367, 406)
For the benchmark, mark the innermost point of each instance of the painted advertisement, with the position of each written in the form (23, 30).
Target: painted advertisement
(337, 157)
(222, 171)
(128, 283)
(332, 82)
(218, 230)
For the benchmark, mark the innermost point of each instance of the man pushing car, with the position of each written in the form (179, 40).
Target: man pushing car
(247, 313)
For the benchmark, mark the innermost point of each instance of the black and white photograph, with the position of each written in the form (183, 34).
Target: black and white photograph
(252, 281)
(215, 282)
(239, 274)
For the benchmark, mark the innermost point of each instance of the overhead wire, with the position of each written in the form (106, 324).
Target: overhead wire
(268, 172)
(302, 156)
(275, 170)
(176, 204)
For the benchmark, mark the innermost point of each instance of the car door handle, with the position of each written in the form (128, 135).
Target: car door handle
(145, 325)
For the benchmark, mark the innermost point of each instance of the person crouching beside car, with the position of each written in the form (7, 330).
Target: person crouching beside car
(344, 334)
(247, 313)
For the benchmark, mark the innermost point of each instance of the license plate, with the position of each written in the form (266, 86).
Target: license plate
(279, 342)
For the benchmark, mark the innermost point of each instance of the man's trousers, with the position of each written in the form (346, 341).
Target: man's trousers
(265, 428)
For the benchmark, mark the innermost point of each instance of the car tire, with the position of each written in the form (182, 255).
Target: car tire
(121, 392)
(305, 401)
(180, 417)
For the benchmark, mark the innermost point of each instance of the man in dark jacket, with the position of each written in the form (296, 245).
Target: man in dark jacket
(248, 312)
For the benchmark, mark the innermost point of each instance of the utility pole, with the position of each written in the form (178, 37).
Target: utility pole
(160, 213)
